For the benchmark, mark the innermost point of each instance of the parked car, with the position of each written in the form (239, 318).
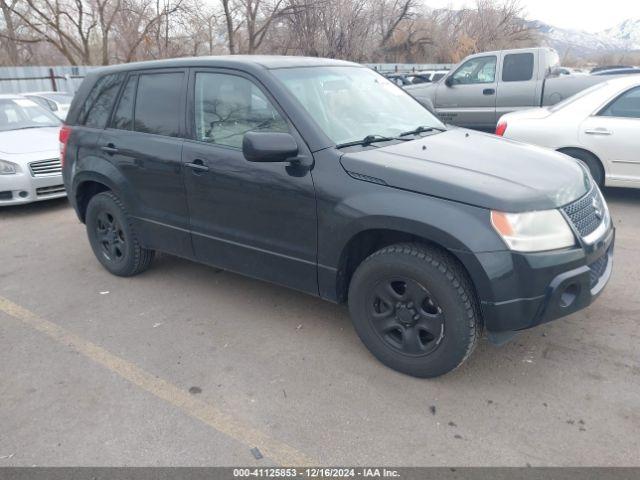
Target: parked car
(568, 71)
(609, 67)
(399, 79)
(438, 75)
(57, 102)
(29, 154)
(485, 86)
(323, 176)
(619, 71)
(599, 126)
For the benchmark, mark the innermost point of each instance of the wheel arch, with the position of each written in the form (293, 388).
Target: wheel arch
(570, 148)
(94, 176)
(367, 241)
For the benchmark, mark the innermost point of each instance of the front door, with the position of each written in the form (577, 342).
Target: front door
(467, 97)
(257, 219)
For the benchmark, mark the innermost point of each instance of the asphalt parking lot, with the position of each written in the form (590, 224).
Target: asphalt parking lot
(187, 365)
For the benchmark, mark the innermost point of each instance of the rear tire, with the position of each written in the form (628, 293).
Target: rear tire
(591, 161)
(415, 309)
(112, 237)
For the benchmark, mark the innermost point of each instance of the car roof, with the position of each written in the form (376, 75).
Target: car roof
(9, 96)
(268, 62)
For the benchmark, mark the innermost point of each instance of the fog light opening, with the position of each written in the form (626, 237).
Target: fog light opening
(569, 295)
(23, 194)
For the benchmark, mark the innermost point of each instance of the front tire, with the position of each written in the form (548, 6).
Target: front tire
(415, 309)
(112, 237)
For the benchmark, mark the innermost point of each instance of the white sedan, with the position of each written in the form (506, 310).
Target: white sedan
(599, 126)
(30, 168)
(57, 102)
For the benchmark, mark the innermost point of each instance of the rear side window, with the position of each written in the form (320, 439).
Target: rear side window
(97, 107)
(123, 116)
(626, 105)
(159, 103)
(517, 67)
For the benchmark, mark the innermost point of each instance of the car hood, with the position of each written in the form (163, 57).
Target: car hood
(475, 168)
(29, 140)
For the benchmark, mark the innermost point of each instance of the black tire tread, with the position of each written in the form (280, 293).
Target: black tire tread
(455, 275)
(142, 257)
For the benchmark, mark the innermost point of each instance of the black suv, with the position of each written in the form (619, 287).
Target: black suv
(324, 176)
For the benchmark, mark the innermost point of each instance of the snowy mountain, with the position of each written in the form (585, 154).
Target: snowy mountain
(625, 36)
(627, 33)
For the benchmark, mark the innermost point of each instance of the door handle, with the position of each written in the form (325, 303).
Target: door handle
(598, 131)
(110, 149)
(197, 166)
(488, 91)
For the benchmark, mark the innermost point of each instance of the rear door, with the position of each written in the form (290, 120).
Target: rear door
(258, 219)
(519, 79)
(468, 97)
(144, 143)
(612, 134)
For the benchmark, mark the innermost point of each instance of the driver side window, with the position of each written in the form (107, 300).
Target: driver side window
(476, 70)
(228, 106)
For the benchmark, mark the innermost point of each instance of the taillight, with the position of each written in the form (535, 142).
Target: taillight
(65, 131)
(501, 128)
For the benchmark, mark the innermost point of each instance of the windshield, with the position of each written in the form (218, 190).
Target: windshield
(351, 103)
(64, 98)
(19, 113)
(577, 96)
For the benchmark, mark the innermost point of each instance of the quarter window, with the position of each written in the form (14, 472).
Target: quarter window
(228, 106)
(159, 104)
(476, 70)
(626, 105)
(517, 67)
(97, 108)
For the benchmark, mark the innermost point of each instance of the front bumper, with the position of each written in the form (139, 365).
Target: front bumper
(546, 286)
(23, 188)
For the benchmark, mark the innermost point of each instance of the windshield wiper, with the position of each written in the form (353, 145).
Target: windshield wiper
(369, 139)
(422, 129)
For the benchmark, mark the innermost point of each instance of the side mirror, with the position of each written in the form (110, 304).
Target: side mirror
(269, 147)
(449, 81)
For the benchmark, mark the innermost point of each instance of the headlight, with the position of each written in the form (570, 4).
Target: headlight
(7, 168)
(533, 231)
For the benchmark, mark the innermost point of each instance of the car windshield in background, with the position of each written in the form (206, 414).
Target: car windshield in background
(20, 113)
(351, 103)
(64, 98)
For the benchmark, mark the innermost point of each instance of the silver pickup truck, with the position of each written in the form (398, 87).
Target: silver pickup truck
(485, 86)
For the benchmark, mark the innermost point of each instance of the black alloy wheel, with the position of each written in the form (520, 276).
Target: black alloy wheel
(111, 236)
(406, 316)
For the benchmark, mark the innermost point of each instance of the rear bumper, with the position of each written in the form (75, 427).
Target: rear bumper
(566, 281)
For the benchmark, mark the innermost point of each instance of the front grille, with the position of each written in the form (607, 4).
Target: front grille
(597, 269)
(42, 191)
(44, 168)
(587, 213)
(6, 195)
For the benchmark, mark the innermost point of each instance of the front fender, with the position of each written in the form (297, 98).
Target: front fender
(461, 229)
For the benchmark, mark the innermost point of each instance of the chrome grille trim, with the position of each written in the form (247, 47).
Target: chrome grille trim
(589, 215)
(52, 190)
(45, 168)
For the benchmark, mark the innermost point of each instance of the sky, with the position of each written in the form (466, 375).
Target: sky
(590, 15)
